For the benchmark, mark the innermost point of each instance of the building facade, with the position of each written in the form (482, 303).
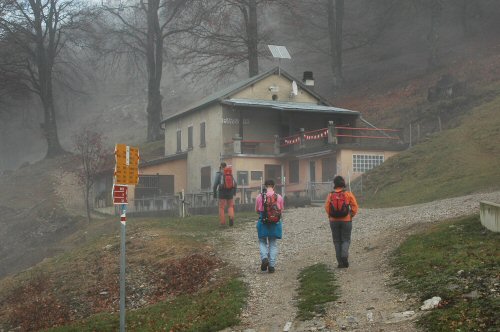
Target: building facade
(270, 126)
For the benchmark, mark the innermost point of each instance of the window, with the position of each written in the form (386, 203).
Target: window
(179, 141)
(364, 162)
(256, 175)
(294, 171)
(242, 178)
(154, 186)
(190, 137)
(202, 135)
(206, 173)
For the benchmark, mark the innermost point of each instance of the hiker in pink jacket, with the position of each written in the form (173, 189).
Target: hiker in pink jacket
(269, 205)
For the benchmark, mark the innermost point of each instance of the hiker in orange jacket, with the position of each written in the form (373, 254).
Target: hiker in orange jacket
(225, 195)
(341, 206)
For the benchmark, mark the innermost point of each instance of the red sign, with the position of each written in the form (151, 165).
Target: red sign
(120, 194)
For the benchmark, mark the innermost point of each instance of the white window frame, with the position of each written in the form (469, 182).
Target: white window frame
(362, 163)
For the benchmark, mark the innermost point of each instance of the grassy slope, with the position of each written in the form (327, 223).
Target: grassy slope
(455, 162)
(166, 258)
(453, 260)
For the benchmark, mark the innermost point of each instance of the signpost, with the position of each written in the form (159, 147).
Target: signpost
(127, 164)
(126, 172)
(120, 194)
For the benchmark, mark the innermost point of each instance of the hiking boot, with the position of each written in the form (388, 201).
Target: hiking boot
(345, 262)
(264, 265)
(231, 222)
(271, 269)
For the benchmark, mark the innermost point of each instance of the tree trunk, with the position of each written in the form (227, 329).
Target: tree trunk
(154, 55)
(335, 34)
(50, 128)
(50, 125)
(87, 202)
(45, 54)
(433, 37)
(339, 22)
(154, 110)
(252, 39)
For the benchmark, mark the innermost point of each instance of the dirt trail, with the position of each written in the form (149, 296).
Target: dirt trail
(367, 302)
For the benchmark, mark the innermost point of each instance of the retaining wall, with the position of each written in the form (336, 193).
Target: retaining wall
(490, 215)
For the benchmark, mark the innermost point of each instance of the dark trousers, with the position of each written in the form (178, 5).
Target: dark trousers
(341, 234)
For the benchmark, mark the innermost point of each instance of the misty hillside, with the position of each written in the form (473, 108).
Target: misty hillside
(40, 206)
(454, 162)
(385, 71)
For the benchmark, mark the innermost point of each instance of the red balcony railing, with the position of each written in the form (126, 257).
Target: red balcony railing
(313, 138)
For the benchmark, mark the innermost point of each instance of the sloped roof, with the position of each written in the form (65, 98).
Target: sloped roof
(159, 161)
(288, 106)
(237, 87)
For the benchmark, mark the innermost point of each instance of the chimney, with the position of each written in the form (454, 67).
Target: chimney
(308, 79)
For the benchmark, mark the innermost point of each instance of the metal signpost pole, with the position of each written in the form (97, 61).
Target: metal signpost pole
(123, 220)
(126, 172)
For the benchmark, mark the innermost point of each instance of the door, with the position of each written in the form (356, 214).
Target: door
(166, 185)
(312, 171)
(328, 169)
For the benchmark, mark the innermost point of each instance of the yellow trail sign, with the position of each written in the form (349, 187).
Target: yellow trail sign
(127, 164)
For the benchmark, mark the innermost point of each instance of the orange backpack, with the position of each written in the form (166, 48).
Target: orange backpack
(339, 205)
(227, 180)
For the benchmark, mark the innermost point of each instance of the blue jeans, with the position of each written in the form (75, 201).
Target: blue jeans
(268, 249)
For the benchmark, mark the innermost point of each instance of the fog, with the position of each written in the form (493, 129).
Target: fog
(109, 93)
(119, 67)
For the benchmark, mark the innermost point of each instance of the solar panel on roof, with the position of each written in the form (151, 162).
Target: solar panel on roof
(279, 52)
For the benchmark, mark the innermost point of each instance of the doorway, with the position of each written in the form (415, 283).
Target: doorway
(328, 169)
(312, 171)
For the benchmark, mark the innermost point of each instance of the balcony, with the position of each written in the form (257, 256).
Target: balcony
(252, 147)
(332, 136)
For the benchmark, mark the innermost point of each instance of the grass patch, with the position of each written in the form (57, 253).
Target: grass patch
(459, 261)
(199, 227)
(211, 310)
(317, 287)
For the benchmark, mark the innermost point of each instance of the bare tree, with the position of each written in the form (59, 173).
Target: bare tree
(90, 150)
(37, 33)
(141, 30)
(230, 35)
(333, 27)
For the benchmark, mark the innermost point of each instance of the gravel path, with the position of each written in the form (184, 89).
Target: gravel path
(367, 302)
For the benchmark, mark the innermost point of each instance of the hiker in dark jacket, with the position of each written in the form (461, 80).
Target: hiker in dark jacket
(225, 196)
(341, 226)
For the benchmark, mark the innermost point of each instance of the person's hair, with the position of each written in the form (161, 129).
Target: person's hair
(223, 164)
(339, 182)
(269, 183)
